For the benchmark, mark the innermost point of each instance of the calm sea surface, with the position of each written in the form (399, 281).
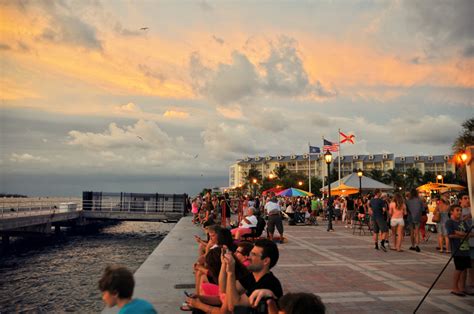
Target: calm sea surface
(60, 274)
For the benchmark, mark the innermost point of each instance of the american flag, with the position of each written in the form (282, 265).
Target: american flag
(330, 146)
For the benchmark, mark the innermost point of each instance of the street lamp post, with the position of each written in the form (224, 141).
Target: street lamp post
(254, 181)
(439, 178)
(328, 159)
(360, 173)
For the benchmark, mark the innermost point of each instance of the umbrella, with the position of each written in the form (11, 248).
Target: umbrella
(294, 192)
(451, 187)
(344, 190)
(274, 190)
(444, 187)
(428, 187)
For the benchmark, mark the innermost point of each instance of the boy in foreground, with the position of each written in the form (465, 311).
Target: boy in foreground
(117, 285)
(457, 229)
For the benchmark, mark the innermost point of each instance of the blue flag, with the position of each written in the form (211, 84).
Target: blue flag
(314, 150)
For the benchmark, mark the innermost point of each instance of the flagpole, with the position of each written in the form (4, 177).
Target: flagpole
(339, 155)
(309, 166)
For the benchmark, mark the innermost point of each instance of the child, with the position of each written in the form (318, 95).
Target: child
(117, 285)
(456, 229)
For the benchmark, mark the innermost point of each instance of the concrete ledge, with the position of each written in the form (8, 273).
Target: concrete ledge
(168, 265)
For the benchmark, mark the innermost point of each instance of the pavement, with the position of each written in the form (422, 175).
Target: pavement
(352, 277)
(342, 268)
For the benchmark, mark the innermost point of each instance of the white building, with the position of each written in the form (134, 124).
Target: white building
(301, 163)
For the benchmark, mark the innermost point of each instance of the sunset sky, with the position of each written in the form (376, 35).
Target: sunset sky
(91, 101)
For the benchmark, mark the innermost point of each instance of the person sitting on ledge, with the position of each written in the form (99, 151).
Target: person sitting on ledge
(245, 226)
(117, 286)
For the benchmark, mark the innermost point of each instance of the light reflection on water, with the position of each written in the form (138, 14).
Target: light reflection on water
(60, 275)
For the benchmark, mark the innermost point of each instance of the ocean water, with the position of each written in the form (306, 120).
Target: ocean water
(60, 273)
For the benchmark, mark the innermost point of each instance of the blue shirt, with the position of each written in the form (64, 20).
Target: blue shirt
(451, 227)
(377, 204)
(138, 306)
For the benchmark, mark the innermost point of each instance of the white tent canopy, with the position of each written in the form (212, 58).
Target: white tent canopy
(368, 184)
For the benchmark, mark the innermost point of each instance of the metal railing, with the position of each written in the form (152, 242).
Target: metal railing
(133, 206)
(16, 207)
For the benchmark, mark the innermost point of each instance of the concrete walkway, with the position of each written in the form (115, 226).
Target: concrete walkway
(344, 269)
(352, 277)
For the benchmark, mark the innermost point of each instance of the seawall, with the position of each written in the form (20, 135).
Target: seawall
(170, 264)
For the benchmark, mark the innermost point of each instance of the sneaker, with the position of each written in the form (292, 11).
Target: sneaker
(412, 248)
(382, 246)
(417, 249)
(376, 246)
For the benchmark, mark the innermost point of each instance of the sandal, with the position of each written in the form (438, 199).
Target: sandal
(459, 294)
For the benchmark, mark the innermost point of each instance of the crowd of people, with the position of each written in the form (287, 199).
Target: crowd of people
(232, 274)
(233, 269)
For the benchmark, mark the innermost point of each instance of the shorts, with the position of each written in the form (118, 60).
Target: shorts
(397, 222)
(462, 262)
(379, 224)
(441, 228)
(414, 225)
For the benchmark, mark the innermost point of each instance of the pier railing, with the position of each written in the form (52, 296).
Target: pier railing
(30, 207)
(14, 207)
(134, 206)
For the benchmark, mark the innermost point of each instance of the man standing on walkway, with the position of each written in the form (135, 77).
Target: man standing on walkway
(377, 207)
(415, 207)
(273, 211)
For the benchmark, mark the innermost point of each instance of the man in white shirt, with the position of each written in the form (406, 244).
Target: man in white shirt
(273, 210)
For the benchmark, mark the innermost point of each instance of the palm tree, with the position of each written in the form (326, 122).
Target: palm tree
(280, 171)
(393, 176)
(466, 137)
(316, 185)
(375, 174)
(413, 178)
(428, 177)
(253, 174)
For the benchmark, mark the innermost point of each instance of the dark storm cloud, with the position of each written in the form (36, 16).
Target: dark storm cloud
(284, 75)
(229, 83)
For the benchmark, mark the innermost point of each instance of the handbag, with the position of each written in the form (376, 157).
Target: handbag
(436, 216)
